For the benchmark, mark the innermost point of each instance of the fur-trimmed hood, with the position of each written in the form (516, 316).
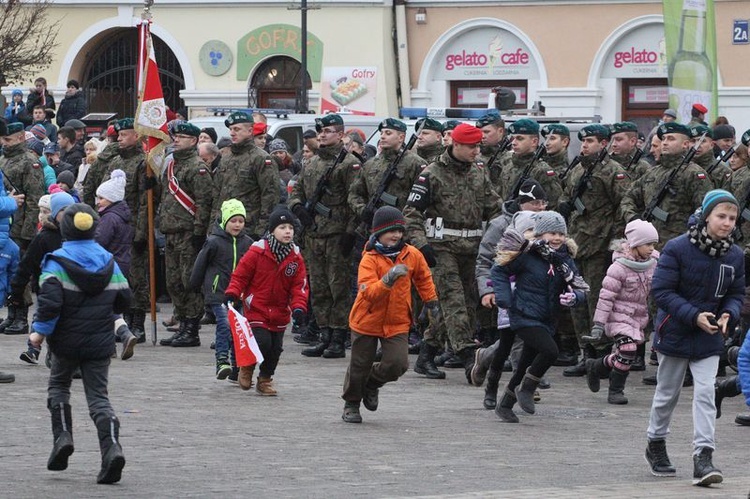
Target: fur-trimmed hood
(510, 246)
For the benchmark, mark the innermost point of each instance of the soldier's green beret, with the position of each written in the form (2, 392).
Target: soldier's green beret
(429, 124)
(237, 117)
(524, 126)
(491, 118)
(124, 124)
(14, 128)
(672, 127)
(450, 125)
(392, 124)
(555, 129)
(595, 130)
(697, 130)
(186, 128)
(746, 138)
(328, 120)
(625, 126)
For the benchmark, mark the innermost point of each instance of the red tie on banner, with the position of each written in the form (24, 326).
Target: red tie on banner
(246, 349)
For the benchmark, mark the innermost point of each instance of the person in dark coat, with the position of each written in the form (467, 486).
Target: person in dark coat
(698, 287)
(73, 105)
(39, 96)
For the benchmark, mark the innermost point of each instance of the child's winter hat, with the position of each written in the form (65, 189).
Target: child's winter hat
(39, 132)
(714, 198)
(386, 219)
(113, 189)
(523, 221)
(281, 215)
(66, 177)
(640, 232)
(58, 202)
(44, 202)
(549, 221)
(531, 190)
(231, 208)
(79, 222)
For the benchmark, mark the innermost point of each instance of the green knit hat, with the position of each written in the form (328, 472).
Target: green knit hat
(231, 208)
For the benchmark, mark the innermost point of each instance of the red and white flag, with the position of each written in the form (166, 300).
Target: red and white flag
(151, 115)
(246, 349)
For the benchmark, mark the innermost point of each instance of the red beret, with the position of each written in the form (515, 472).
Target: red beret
(466, 134)
(700, 108)
(111, 131)
(259, 128)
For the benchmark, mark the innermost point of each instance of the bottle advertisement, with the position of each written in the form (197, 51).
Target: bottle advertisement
(690, 36)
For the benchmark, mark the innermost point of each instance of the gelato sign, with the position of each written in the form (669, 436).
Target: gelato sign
(486, 54)
(639, 54)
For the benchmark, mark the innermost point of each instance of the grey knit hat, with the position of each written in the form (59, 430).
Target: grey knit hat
(523, 221)
(549, 221)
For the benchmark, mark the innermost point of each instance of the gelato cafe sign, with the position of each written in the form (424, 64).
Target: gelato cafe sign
(641, 53)
(486, 54)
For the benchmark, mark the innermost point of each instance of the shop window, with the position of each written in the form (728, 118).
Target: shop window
(644, 101)
(475, 94)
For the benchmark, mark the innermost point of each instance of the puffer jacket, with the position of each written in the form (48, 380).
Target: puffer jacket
(623, 300)
(270, 290)
(9, 252)
(115, 234)
(743, 367)
(687, 282)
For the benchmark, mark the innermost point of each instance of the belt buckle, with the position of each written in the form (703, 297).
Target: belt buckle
(464, 233)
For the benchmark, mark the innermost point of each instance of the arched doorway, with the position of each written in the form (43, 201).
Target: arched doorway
(275, 84)
(109, 73)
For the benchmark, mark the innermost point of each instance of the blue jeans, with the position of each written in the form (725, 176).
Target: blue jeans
(224, 350)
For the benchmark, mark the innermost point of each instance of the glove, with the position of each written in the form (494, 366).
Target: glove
(366, 216)
(433, 312)
(394, 274)
(568, 299)
(230, 299)
(596, 333)
(429, 255)
(197, 241)
(346, 243)
(150, 183)
(299, 317)
(565, 209)
(304, 217)
(140, 246)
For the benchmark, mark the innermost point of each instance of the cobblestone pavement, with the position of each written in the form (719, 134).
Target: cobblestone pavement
(186, 434)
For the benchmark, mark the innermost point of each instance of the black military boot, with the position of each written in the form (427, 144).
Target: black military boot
(167, 342)
(426, 362)
(190, 337)
(725, 388)
(442, 357)
(658, 460)
(490, 391)
(318, 349)
(525, 393)
(336, 348)
(113, 460)
(62, 432)
(20, 324)
(616, 395)
(138, 325)
(640, 358)
(742, 419)
(9, 319)
(305, 335)
(504, 410)
(594, 368)
(704, 471)
(468, 355)
(579, 369)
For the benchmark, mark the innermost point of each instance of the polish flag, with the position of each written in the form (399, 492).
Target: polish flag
(246, 349)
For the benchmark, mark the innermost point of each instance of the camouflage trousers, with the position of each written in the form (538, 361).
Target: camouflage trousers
(180, 257)
(330, 281)
(457, 290)
(593, 269)
(138, 280)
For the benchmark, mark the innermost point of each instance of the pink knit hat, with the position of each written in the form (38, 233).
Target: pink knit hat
(640, 232)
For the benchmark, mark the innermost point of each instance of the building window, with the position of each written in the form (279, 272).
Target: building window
(475, 94)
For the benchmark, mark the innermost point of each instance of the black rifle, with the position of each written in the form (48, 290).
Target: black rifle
(10, 183)
(380, 194)
(652, 210)
(635, 159)
(724, 157)
(500, 149)
(517, 186)
(576, 161)
(313, 206)
(584, 181)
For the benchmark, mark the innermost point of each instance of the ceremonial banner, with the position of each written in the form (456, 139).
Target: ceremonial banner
(246, 349)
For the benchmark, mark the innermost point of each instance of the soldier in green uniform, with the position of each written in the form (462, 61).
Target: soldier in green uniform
(740, 182)
(590, 204)
(525, 142)
(184, 219)
(448, 127)
(624, 147)
(720, 174)
(328, 240)
(248, 174)
(494, 160)
(429, 139)
(445, 212)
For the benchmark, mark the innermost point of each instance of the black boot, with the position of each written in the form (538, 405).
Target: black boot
(305, 336)
(9, 319)
(742, 419)
(336, 349)
(616, 394)
(138, 325)
(444, 356)
(190, 337)
(167, 342)
(426, 362)
(490, 391)
(113, 460)
(453, 362)
(504, 410)
(525, 392)
(62, 431)
(318, 349)
(640, 358)
(594, 368)
(579, 369)
(704, 471)
(725, 388)
(468, 356)
(658, 459)
(20, 324)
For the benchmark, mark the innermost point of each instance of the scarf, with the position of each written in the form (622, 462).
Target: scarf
(279, 250)
(557, 264)
(698, 236)
(389, 251)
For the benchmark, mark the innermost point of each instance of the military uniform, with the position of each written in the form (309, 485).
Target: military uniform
(634, 170)
(558, 161)
(22, 169)
(495, 168)
(430, 153)
(540, 171)
(721, 175)
(97, 171)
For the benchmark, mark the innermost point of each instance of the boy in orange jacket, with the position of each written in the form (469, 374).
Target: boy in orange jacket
(382, 311)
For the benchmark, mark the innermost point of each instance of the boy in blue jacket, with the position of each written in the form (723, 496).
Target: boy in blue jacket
(9, 253)
(81, 287)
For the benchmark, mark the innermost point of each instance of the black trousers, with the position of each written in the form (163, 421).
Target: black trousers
(271, 345)
(539, 353)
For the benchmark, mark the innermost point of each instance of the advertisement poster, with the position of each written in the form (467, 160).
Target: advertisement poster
(348, 89)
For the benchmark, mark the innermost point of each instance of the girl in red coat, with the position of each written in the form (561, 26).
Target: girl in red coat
(271, 279)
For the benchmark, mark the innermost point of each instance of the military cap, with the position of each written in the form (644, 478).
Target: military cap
(491, 118)
(624, 126)
(187, 128)
(746, 138)
(237, 117)
(429, 124)
(697, 130)
(392, 124)
(672, 127)
(13, 128)
(698, 107)
(524, 126)
(124, 124)
(450, 125)
(595, 130)
(555, 129)
(328, 120)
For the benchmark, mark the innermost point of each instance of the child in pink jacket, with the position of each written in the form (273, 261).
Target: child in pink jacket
(622, 310)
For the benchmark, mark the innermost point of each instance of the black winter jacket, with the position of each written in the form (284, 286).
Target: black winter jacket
(216, 262)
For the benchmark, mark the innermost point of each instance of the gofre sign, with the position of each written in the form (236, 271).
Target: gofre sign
(274, 40)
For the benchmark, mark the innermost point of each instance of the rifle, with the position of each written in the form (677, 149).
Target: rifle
(10, 183)
(380, 194)
(724, 157)
(576, 161)
(517, 186)
(653, 210)
(313, 206)
(584, 182)
(636, 158)
(500, 149)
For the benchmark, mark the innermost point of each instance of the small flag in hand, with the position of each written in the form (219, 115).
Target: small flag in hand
(246, 349)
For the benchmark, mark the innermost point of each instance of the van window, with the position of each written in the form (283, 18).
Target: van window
(292, 135)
